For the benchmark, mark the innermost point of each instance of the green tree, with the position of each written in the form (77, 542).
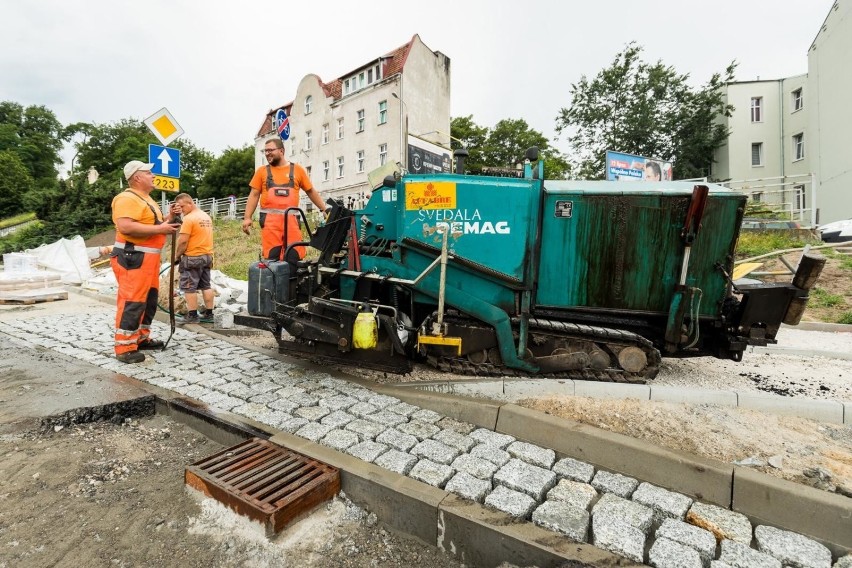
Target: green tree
(36, 137)
(15, 181)
(646, 109)
(509, 140)
(504, 145)
(229, 174)
(472, 137)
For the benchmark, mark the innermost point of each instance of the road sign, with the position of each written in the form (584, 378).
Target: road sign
(282, 124)
(164, 126)
(166, 183)
(166, 160)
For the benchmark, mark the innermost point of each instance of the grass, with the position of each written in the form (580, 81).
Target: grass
(846, 318)
(233, 250)
(822, 299)
(16, 220)
(846, 263)
(756, 243)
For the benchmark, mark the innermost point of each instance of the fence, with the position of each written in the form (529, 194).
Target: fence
(228, 208)
(791, 197)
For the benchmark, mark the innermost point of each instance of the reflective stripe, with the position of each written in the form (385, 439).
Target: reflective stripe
(273, 211)
(140, 249)
(143, 326)
(127, 342)
(119, 331)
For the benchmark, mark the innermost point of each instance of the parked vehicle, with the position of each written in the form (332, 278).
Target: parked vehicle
(837, 232)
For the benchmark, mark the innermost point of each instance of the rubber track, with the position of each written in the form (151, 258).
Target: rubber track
(571, 331)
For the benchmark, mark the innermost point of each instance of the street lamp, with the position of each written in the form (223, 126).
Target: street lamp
(402, 147)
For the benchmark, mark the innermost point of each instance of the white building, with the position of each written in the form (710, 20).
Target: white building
(791, 139)
(369, 117)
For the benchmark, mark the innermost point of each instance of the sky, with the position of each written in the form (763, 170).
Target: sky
(218, 67)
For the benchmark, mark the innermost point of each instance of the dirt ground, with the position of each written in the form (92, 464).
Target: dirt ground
(107, 494)
(792, 448)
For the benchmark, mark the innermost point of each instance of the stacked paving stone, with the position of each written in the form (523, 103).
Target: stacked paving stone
(637, 520)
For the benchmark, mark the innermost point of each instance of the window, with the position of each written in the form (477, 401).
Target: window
(308, 169)
(383, 112)
(339, 128)
(369, 76)
(798, 102)
(799, 147)
(757, 196)
(309, 103)
(346, 88)
(757, 154)
(361, 81)
(383, 154)
(757, 109)
(309, 140)
(800, 196)
(340, 166)
(293, 145)
(360, 160)
(325, 133)
(361, 120)
(325, 170)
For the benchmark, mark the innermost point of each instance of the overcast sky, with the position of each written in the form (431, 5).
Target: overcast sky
(218, 67)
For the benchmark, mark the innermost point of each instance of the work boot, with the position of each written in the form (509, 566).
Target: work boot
(190, 317)
(151, 344)
(131, 357)
(205, 316)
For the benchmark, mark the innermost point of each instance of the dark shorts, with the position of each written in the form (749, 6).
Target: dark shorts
(195, 272)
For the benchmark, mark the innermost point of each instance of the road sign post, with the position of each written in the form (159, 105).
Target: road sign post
(166, 160)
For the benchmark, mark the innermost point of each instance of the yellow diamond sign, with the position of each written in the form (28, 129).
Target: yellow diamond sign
(164, 126)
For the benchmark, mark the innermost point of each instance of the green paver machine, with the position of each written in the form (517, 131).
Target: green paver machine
(525, 276)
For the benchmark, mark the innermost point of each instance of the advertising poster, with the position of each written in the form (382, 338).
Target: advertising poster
(628, 167)
(427, 158)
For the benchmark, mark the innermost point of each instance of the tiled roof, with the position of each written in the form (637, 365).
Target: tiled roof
(392, 63)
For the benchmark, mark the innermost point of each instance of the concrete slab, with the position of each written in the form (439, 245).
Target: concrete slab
(483, 537)
(821, 410)
(811, 512)
(693, 396)
(697, 477)
(611, 390)
(27, 394)
(517, 389)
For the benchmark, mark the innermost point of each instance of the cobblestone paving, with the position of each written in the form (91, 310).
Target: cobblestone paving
(569, 497)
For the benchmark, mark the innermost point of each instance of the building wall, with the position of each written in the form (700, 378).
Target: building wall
(423, 88)
(830, 113)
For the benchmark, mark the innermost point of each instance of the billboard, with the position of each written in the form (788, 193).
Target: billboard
(628, 167)
(427, 158)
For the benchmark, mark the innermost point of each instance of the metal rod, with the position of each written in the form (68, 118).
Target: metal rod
(443, 283)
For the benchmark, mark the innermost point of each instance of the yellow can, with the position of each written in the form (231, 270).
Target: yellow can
(365, 332)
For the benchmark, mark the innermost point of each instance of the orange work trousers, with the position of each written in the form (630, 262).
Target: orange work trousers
(272, 236)
(136, 302)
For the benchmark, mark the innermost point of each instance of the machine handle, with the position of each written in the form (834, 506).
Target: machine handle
(694, 214)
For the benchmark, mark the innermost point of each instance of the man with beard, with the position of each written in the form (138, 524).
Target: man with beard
(276, 186)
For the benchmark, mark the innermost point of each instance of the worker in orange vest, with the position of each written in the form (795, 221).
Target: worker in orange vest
(140, 233)
(276, 186)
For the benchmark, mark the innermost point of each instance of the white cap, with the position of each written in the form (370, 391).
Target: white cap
(136, 166)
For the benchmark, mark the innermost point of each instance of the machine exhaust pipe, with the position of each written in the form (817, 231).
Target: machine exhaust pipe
(806, 276)
(460, 154)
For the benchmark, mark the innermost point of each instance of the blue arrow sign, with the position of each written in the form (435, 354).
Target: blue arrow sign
(166, 160)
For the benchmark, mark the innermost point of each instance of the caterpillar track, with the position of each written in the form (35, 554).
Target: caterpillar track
(611, 342)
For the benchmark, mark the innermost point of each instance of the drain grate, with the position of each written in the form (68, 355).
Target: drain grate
(265, 482)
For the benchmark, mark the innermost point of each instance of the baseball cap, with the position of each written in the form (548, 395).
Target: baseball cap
(136, 166)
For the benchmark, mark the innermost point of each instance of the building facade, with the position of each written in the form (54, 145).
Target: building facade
(791, 139)
(343, 129)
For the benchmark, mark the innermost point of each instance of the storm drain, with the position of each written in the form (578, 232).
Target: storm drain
(265, 482)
